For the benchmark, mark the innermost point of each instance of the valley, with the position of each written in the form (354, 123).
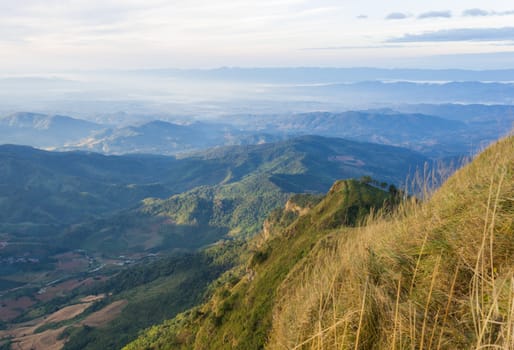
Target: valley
(217, 199)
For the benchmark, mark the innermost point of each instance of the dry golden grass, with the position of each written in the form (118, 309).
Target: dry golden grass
(105, 315)
(47, 340)
(92, 298)
(28, 328)
(67, 313)
(437, 275)
(25, 336)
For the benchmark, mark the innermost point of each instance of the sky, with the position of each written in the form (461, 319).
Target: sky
(39, 36)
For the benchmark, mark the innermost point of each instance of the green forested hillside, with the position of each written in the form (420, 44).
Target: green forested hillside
(185, 221)
(239, 313)
(54, 188)
(432, 275)
(222, 191)
(238, 206)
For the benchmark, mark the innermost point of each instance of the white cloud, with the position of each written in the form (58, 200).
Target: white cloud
(397, 15)
(459, 34)
(475, 12)
(435, 14)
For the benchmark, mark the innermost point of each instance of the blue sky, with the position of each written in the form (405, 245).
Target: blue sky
(57, 35)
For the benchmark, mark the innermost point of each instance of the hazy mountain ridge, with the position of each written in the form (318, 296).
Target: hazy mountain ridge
(448, 131)
(436, 130)
(423, 133)
(468, 113)
(224, 91)
(412, 92)
(40, 130)
(161, 137)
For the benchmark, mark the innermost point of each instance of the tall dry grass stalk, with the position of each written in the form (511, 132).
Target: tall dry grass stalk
(435, 275)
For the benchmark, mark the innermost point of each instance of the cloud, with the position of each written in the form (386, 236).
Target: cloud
(354, 47)
(460, 34)
(435, 14)
(476, 12)
(397, 15)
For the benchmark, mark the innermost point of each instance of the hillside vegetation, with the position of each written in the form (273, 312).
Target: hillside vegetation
(432, 275)
(52, 202)
(153, 292)
(239, 313)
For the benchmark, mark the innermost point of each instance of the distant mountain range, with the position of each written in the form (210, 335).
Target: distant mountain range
(380, 92)
(443, 130)
(469, 113)
(435, 130)
(214, 92)
(64, 133)
(160, 137)
(40, 130)
(423, 133)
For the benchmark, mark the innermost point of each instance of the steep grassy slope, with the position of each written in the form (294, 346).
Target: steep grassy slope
(239, 314)
(434, 275)
(437, 276)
